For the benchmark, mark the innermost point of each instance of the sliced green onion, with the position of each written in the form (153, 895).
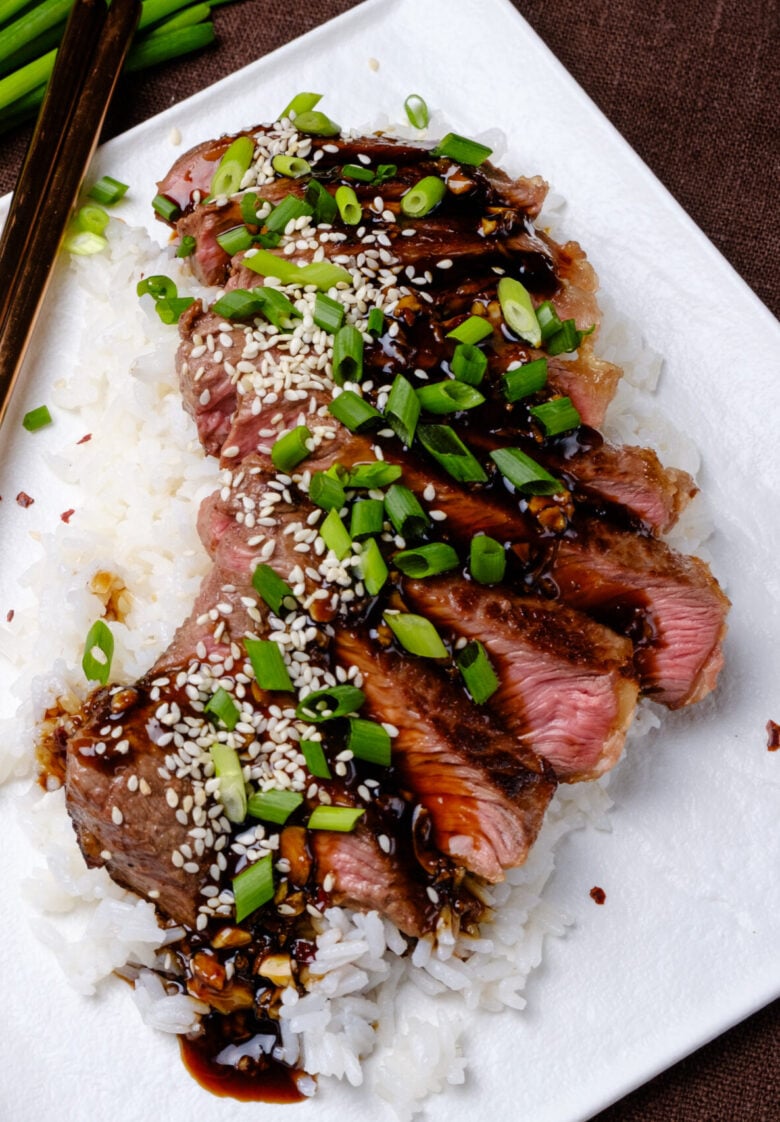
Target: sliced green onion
(325, 209)
(274, 805)
(235, 240)
(469, 364)
(107, 190)
(416, 634)
(404, 511)
(253, 887)
(524, 380)
(315, 758)
(524, 473)
(369, 741)
(342, 819)
(446, 447)
(427, 560)
(423, 197)
(326, 492)
(462, 149)
(186, 246)
(478, 673)
(91, 218)
(239, 303)
(166, 208)
(324, 275)
(277, 308)
(349, 208)
(367, 517)
(232, 788)
(567, 339)
(548, 319)
(368, 477)
(376, 322)
(417, 111)
(403, 409)
(472, 330)
(170, 310)
(158, 286)
(347, 355)
(487, 560)
(373, 569)
(169, 40)
(293, 167)
(37, 419)
(272, 588)
(233, 166)
(250, 204)
(328, 313)
(558, 415)
(449, 397)
(354, 411)
(222, 706)
(83, 243)
(357, 172)
(301, 103)
(335, 534)
(269, 240)
(98, 652)
(385, 172)
(518, 310)
(321, 274)
(314, 123)
(268, 664)
(290, 209)
(291, 449)
(328, 704)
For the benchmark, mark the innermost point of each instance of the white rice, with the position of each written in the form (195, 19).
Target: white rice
(372, 1007)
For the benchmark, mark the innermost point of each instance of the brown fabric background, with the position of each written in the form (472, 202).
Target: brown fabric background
(692, 85)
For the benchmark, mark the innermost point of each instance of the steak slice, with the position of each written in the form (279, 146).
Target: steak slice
(122, 799)
(359, 874)
(485, 792)
(567, 688)
(670, 604)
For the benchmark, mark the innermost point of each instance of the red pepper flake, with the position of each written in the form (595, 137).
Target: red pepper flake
(598, 895)
(773, 736)
(85, 438)
(9, 616)
(24, 499)
(67, 515)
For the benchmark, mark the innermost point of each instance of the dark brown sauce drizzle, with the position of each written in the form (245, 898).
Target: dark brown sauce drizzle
(273, 1083)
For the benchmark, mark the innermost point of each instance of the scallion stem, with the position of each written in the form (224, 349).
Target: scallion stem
(417, 111)
(478, 673)
(427, 560)
(268, 664)
(487, 560)
(423, 197)
(232, 788)
(373, 568)
(253, 887)
(416, 634)
(291, 449)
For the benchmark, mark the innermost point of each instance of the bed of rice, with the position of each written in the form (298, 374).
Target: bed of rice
(141, 478)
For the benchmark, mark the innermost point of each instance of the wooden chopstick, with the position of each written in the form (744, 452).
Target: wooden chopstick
(88, 63)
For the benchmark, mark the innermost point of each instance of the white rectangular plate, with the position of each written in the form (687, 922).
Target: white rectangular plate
(686, 943)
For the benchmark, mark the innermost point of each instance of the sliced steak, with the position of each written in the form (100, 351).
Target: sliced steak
(567, 686)
(122, 799)
(668, 603)
(357, 873)
(485, 792)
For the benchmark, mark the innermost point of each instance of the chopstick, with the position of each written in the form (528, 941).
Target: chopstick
(89, 59)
